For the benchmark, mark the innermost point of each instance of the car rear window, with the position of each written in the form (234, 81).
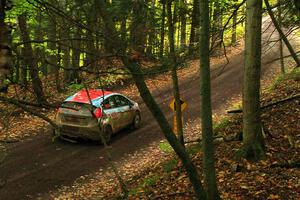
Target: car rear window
(82, 107)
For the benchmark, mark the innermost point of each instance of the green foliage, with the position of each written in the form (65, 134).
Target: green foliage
(294, 73)
(192, 150)
(75, 87)
(165, 147)
(20, 7)
(133, 192)
(147, 182)
(115, 77)
(221, 124)
(170, 165)
(150, 181)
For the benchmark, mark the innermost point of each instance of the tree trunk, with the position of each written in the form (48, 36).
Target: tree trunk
(52, 46)
(23, 71)
(216, 44)
(4, 48)
(76, 44)
(183, 11)
(64, 35)
(162, 30)
(176, 91)
(194, 26)
(138, 77)
(138, 30)
(280, 40)
(51, 33)
(39, 36)
(283, 37)
(253, 142)
(123, 28)
(233, 35)
(91, 49)
(30, 61)
(166, 129)
(206, 110)
(66, 54)
(151, 27)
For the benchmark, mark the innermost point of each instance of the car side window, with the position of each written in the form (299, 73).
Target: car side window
(122, 101)
(109, 103)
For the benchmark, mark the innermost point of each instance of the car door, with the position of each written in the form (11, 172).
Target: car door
(113, 115)
(125, 108)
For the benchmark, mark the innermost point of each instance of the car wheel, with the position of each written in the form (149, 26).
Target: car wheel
(107, 133)
(137, 121)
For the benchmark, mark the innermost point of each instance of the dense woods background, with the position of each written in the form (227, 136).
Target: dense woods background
(67, 38)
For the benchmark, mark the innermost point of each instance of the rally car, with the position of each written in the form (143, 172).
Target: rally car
(89, 114)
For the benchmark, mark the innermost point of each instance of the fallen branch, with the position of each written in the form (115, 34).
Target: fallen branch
(167, 196)
(9, 141)
(17, 103)
(269, 104)
(229, 138)
(286, 165)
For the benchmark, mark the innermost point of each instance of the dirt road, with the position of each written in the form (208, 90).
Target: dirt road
(37, 165)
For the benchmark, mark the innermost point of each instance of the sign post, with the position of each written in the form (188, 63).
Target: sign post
(183, 106)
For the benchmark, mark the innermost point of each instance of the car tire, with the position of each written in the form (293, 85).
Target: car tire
(137, 121)
(107, 133)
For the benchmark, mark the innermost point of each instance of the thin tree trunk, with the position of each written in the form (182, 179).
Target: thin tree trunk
(138, 26)
(206, 110)
(76, 56)
(216, 44)
(39, 36)
(23, 71)
(66, 55)
(91, 22)
(183, 24)
(138, 77)
(162, 30)
(166, 129)
(283, 37)
(151, 27)
(176, 91)
(280, 40)
(253, 142)
(4, 47)
(233, 35)
(194, 26)
(30, 60)
(52, 46)
(51, 33)
(17, 71)
(123, 28)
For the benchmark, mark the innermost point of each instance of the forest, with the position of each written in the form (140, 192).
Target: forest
(198, 52)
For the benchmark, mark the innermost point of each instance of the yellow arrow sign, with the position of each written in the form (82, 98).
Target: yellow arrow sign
(183, 105)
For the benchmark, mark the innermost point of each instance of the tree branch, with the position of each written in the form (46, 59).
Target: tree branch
(269, 104)
(38, 114)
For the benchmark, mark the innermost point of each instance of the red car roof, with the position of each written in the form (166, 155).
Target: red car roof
(82, 96)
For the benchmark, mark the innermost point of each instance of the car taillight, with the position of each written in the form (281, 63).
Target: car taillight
(98, 112)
